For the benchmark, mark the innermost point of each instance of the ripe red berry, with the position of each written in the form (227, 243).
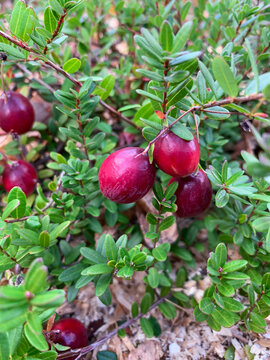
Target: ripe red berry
(126, 176)
(194, 194)
(71, 333)
(175, 156)
(17, 113)
(20, 173)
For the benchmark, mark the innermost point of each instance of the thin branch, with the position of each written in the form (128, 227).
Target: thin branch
(87, 349)
(62, 72)
(201, 108)
(56, 31)
(31, 77)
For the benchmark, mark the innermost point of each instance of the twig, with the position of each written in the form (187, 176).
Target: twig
(196, 124)
(56, 31)
(31, 77)
(62, 72)
(87, 349)
(201, 108)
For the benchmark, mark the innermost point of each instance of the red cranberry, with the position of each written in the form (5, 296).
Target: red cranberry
(126, 176)
(20, 173)
(194, 194)
(71, 333)
(17, 113)
(175, 156)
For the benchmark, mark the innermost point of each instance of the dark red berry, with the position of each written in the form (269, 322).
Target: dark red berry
(175, 156)
(20, 173)
(71, 332)
(126, 176)
(16, 113)
(194, 194)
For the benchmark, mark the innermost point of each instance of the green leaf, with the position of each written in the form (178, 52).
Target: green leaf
(232, 305)
(199, 316)
(50, 21)
(234, 265)
(151, 75)
(56, 6)
(13, 318)
(153, 277)
(253, 64)
(166, 36)
(72, 273)
(208, 77)
(21, 23)
(97, 269)
(134, 309)
(182, 131)
(111, 250)
(181, 37)
(149, 95)
(229, 353)
(44, 239)
(72, 65)
(266, 281)
(221, 254)
(59, 229)
(168, 310)
(217, 112)
(33, 332)
(184, 58)
(171, 189)
(36, 271)
(226, 289)
(105, 87)
(52, 298)
(106, 355)
(102, 284)
(161, 251)
(92, 256)
(224, 76)
(11, 206)
(145, 303)
(223, 317)
(236, 276)
(10, 50)
(166, 223)
(261, 224)
(4, 346)
(206, 306)
(125, 272)
(151, 40)
(147, 327)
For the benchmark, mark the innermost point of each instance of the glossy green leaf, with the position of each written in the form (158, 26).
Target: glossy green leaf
(72, 65)
(166, 36)
(224, 76)
(11, 206)
(181, 37)
(105, 87)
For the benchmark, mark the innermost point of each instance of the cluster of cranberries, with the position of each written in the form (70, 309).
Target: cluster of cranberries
(126, 175)
(17, 117)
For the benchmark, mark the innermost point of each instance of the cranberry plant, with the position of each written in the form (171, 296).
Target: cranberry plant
(181, 85)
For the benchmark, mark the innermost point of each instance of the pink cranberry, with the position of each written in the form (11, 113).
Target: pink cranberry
(126, 175)
(20, 173)
(17, 113)
(194, 194)
(175, 156)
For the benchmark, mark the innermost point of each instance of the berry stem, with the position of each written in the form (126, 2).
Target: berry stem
(196, 124)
